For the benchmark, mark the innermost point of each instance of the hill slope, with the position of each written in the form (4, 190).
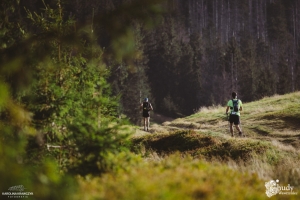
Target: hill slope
(272, 118)
(196, 158)
(270, 149)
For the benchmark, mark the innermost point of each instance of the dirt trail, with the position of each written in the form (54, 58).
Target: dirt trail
(158, 118)
(282, 131)
(280, 134)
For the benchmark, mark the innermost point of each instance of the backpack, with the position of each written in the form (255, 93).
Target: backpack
(235, 103)
(146, 106)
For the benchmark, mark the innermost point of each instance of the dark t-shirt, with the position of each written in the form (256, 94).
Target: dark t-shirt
(146, 109)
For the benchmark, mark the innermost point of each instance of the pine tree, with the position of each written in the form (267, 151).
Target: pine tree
(129, 80)
(164, 55)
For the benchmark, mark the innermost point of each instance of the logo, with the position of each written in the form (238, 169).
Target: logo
(17, 191)
(273, 188)
(19, 188)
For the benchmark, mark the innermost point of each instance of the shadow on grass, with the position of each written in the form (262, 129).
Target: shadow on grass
(201, 145)
(186, 140)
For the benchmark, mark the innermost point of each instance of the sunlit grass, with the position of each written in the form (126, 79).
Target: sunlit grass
(172, 178)
(196, 158)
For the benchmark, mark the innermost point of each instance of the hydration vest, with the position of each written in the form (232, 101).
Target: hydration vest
(146, 106)
(235, 106)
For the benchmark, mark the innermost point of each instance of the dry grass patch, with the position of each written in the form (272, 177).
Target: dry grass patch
(211, 109)
(284, 147)
(247, 155)
(286, 133)
(184, 124)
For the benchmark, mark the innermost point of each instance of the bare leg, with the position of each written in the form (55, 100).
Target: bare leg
(231, 129)
(145, 118)
(239, 129)
(148, 123)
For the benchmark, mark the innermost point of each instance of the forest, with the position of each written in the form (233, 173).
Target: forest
(73, 74)
(196, 54)
(206, 49)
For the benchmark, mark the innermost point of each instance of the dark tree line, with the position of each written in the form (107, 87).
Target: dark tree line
(197, 54)
(207, 48)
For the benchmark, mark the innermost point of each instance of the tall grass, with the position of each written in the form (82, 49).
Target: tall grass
(267, 159)
(174, 177)
(195, 158)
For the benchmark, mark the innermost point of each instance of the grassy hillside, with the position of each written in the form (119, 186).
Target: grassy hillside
(276, 117)
(196, 158)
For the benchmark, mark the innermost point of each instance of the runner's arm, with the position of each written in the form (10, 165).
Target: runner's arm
(227, 110)
(151, 108)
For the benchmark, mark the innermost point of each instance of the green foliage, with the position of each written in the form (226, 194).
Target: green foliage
(129, 80)
(64, 116)
(73, 105)
(96, 131)
(10, 31)
(174, 178)
(44, 184)
(17, 168)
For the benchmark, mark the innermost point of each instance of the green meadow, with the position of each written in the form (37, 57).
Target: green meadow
(196, 158)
